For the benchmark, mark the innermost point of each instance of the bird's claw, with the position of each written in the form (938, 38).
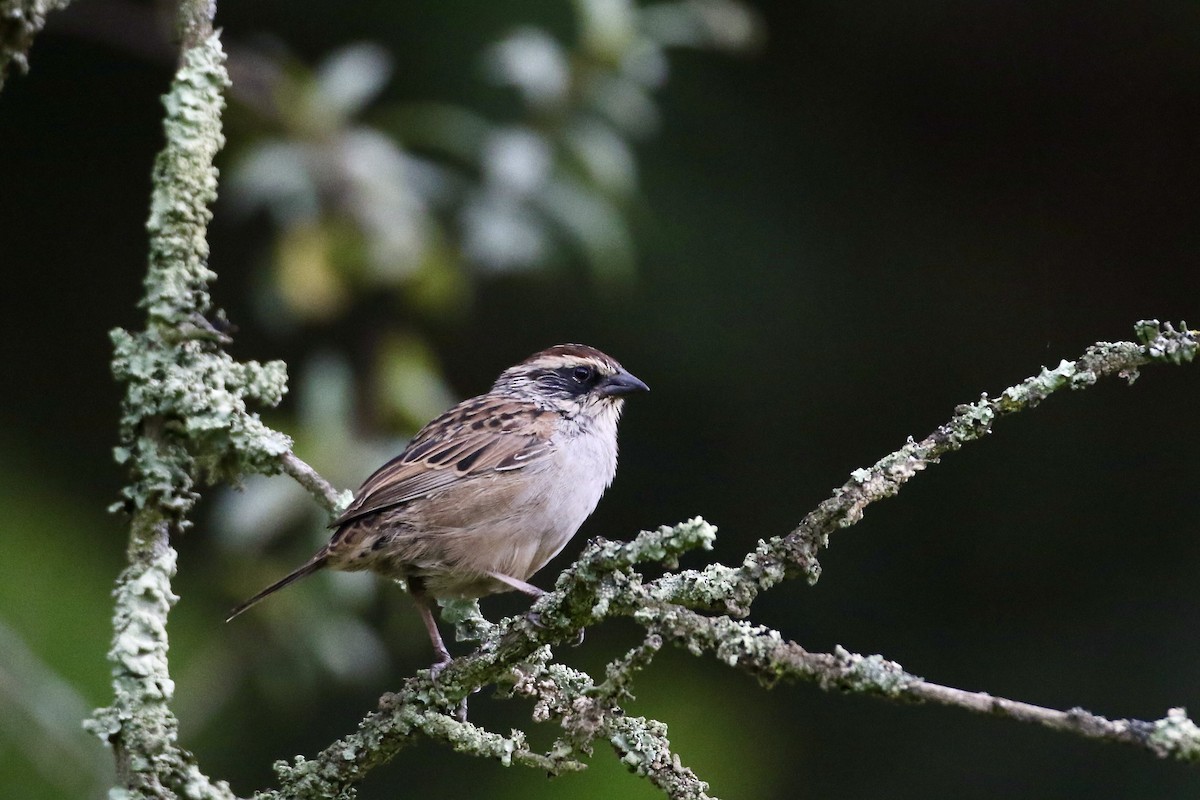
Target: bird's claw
(436, 668)
(435, 672)
(536, 620)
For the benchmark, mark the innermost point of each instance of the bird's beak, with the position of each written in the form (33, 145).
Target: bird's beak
(622, 383)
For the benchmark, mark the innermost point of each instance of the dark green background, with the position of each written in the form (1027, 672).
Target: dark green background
(889, 210)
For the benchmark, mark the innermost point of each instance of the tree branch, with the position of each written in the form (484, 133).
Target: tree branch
(184, 420)
(602, 584)
(20, 22)
(763, 653)
(732, 590)
(795, 554)
(328, 497)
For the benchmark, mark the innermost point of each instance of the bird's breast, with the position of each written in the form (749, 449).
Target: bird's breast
(563, 491)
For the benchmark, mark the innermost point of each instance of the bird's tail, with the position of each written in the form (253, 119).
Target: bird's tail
(315, 563)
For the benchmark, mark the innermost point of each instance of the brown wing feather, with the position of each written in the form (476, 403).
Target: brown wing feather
(484, 435)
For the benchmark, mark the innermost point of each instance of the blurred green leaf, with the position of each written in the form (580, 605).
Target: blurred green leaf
(352, 77)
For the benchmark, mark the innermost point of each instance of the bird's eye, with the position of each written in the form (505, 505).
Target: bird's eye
(583, 374)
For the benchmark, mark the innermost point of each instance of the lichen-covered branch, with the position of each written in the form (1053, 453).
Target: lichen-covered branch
(603, 583)
(763, 653)
(732, 590)
(334, 772)
(794, 555)
(587, 712)
(185, 420)
(20, 22)
(516, 653)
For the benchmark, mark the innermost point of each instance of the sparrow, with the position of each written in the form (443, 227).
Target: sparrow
(487, 493)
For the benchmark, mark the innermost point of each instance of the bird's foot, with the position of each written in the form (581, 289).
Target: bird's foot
(536, 620)
(435, 669)
(435, 672)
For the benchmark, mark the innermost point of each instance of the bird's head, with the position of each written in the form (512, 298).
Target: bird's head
(572, 379)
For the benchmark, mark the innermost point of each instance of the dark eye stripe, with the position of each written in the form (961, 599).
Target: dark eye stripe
(570, 381)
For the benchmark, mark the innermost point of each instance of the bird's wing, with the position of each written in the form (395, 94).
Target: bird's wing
(484, 435)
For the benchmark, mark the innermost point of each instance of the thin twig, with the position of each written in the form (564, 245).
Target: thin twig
(794, 555)
(322, 490)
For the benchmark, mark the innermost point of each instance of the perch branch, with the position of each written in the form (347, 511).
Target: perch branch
(794, 555)
(602, 583)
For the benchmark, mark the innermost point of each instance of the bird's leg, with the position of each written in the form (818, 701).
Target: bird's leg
(518, 584)
(416, 588)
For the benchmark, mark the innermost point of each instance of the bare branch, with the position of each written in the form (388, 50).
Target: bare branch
(195, 24)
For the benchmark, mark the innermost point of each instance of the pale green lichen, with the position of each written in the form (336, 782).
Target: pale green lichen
(20, 22)
(663, 545)
(970, 421)
(742, 639)
(139, 650)
(508, 750)
(644, 748)
(620, 672)
(1176, 735)
(469, 623)
(1033, 390)
(869, 674)
(185, 185)
(717, 587)
(184, 418)
(181, 387)
(197, 397)
(1164, 343)
(139, 722)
